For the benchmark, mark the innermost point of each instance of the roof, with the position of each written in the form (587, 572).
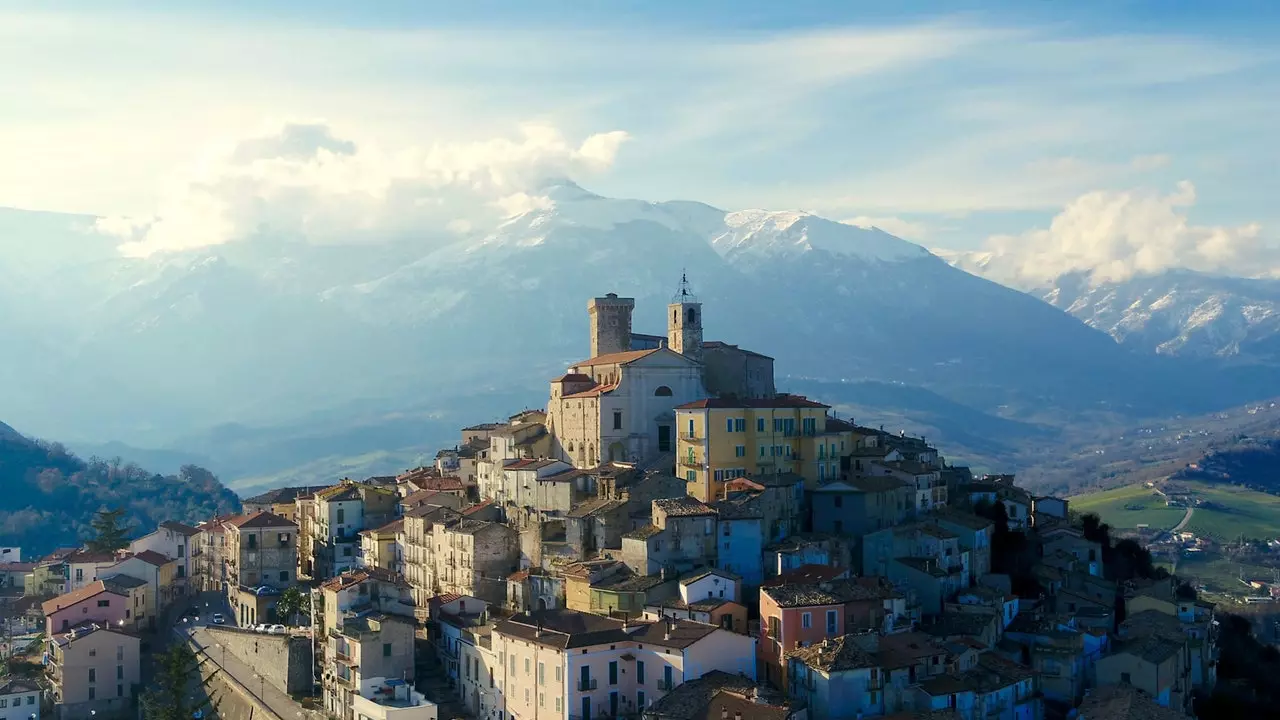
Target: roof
(180, 528)
(705, 698)
(280, 495)
(414, 499)
(598, 506)
(344, 492)
(963, 519)
(741, 507)
(18, 685)
(390, 528)
(84, 556)
(719, 345)
(66, 600)
(685, 506)
(1123, 702)
(483, 427)
(261, 519)
(64, 639)
(836, 655)
(127, 582)
(905, 649)
(566, 629)
(781, 400)
(573, 378)
(835, 592)
(593, 391)
(696, 575)
(22, 567)
(643, 532)
(151, 557)
(470, 526)
(351, 579)
(477, 507)
(618, 358)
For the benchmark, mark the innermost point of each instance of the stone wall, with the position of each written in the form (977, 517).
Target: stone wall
(284, 660)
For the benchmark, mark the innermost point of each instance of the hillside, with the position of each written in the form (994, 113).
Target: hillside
(50, 495)
(1252, 462)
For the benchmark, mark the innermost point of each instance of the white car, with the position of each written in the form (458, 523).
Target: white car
(218, 619)
(278, 629)
(261, 627)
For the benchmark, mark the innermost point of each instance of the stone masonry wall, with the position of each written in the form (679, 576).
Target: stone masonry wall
(284, 660)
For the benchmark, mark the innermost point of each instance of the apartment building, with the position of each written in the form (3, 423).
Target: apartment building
(93, 603)
(474, 557)
(262, 561)
(92, 670)
(566, 664)
(681, 536)
(176, 541)
(419, 551)
(725, 438)
(363, 648)
(338, 515)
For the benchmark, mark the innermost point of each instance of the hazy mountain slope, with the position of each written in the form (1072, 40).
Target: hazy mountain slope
(50, 495)
(334, 341)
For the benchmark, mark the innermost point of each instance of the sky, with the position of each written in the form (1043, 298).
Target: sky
(1130, 135)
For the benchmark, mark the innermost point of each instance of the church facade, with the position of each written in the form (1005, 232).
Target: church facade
(619, 404)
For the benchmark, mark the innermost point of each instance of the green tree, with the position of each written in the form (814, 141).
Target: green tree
(109, 531)
(292, 603)
(178, 691)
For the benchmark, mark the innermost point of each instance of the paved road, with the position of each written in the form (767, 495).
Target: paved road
(1185, 519)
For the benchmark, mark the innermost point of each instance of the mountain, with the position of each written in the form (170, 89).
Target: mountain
(342, 347)
(1176, 312)
(50, 495)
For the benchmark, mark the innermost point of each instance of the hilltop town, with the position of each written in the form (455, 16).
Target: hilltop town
(670, 538)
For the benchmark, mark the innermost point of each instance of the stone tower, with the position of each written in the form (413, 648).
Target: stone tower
(684, 322)
(610, 324)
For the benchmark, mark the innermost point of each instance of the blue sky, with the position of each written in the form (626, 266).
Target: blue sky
(945, 122)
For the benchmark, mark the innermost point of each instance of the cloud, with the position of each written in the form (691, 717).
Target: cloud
(1115, 236)
(303, 180)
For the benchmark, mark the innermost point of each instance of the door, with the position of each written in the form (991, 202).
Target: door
(664, 438)
(613, 704)
(586, 708)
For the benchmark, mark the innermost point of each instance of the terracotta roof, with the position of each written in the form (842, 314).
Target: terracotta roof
(84, 556)
(619, 358)
(683, 506)
(573, 377)
(780, 401)
(66, 600)
(836, 655)
(445, 598)
(419, 497)
(596, 391)
(439, 484)
(151, 557)
(807, 574)
(834, 592)
(24, 567)
(281, 495)
(180, 528)
(719, 694)
(477, 507)
(260, 520)
(392, 527)
(350, 579)
(519, 576)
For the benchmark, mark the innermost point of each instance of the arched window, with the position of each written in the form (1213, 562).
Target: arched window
(675, 316)
(693, 316)
(662, 391)
(570, 447)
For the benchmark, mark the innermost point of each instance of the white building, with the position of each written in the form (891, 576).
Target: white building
(391, 699)
(19, 699)
(175, 541)
(568, 664)
(84, 567)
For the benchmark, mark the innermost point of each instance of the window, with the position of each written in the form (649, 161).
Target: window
(838, 501)
(93, 675)
(119, 672)
(104, 603)
(557, 705)
(662, 391)
(386, 649)
(740, 425)
(92, 693)
(528, 666)
(831, 622)
(5, 703)
(542, 699)
(775, 627)
(557, 673)
(613, 672)
(617, 419)
(284, 539)
(691, 475)
(119, 690)
(79, 574)
(542, 674)
(253, 542)
(761, 451)
(666, 676)
(838, 526)
(284, 576)
(759, 424)
(639, 699)
(728, 422)
(806, 620)
(342, 515)
(640, 674)
(725, 526)
(119, 652)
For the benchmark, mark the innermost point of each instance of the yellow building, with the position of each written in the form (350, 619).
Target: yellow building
(725, 438)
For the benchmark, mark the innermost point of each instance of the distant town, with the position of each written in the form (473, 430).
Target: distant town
(669, 538)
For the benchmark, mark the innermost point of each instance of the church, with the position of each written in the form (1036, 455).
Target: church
(619, 404)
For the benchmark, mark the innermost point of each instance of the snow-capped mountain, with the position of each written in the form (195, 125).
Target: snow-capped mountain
(1176, 312)
(264, 330)
(1180, 312)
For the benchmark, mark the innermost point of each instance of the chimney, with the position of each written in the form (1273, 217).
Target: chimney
(538, 632)
(724, 713)
(737, 715)
(667, 634)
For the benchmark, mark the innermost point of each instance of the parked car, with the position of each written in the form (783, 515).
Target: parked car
(260, 627)
(218, 619)
(278, 629)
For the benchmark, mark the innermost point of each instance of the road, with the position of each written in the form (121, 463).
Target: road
(280, 704)
(1185, 519)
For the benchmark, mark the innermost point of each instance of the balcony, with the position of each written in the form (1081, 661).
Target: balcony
(689, 462)
(665, 685)
(587, 685)
(687, 435)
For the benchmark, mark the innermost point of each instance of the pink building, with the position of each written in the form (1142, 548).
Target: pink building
(93, 603)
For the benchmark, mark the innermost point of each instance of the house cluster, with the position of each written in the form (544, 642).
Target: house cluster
(670, 538)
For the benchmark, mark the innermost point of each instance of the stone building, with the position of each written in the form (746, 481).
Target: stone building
(262, 560)
(473, 557)
(681, 536)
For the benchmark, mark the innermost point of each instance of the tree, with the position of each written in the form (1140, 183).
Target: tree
(178, 691)
(292, 603)
(109, 531)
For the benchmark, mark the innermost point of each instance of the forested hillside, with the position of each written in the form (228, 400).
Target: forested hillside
(48, 496)
(1253, 462)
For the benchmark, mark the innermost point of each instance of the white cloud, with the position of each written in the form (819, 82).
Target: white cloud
(1114, 236)
(304, 180)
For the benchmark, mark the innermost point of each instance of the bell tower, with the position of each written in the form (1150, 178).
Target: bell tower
(684, 322)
